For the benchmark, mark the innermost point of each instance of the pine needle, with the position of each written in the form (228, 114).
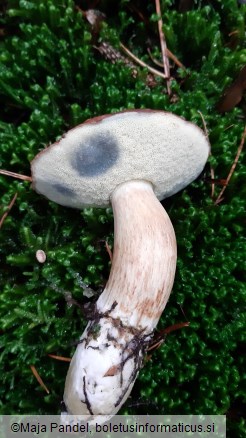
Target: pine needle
(16, 175)
(239, 150)
(39, 379)
(142, 63)
(9, 208)
(61, 358)
(163, 47)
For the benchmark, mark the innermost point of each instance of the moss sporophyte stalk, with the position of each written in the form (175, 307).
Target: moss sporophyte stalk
(52, 78)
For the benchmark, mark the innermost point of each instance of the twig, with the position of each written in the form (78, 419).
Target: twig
(239, 150)
(204, 124)
(170, 55)
(16, 175)
(234, 32)
(8, 210)
(212, 179)
(154, 60)
(163, 47)
(142, 63)
(40, 381)
(211, 168)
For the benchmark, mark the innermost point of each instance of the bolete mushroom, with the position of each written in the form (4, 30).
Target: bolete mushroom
(130, 160)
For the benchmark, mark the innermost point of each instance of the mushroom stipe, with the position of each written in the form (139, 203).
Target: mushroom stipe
(130, 160)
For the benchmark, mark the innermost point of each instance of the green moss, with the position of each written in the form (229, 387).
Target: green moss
(51, 78)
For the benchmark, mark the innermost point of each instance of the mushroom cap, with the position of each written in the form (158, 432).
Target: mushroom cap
(85, 166)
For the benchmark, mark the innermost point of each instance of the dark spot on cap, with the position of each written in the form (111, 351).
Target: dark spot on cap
(95, 155)
(64, 190)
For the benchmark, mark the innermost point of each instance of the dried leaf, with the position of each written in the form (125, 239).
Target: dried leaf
(234, 93)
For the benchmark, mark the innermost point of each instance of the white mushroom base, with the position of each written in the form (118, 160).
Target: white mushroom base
(109, 357)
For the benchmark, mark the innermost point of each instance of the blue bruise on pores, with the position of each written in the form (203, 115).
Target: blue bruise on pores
(64, 190)
(95, 155)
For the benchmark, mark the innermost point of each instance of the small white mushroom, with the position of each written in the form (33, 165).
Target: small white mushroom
(40, 256)
(130, 159)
